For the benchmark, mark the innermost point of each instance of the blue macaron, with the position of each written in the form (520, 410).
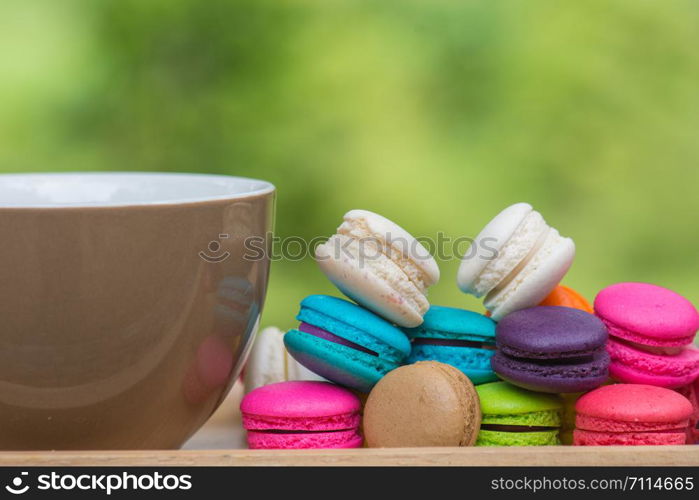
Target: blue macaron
(463, 339)
(345, 343)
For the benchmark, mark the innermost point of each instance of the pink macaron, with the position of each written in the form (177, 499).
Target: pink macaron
(301, 414)
(651, 330)
(631, 414)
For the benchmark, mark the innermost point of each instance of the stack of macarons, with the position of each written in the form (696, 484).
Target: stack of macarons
(540, 367)
(639, 340)
(651, 334)
(385, 272)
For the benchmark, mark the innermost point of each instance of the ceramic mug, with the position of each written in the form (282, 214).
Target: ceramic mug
(127, 304)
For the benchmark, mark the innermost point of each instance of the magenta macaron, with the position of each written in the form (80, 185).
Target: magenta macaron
(631, 414)
(301, 414)
(651, 330)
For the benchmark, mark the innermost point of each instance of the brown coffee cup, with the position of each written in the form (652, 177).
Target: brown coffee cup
(127, 304)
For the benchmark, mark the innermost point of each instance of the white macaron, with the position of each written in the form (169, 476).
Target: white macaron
(379, 265)
(269, 362)
(515, 261)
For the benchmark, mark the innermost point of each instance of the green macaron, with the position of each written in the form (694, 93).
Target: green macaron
(513, 416)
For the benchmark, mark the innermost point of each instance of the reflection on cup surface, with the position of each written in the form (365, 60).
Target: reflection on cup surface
(210, 371)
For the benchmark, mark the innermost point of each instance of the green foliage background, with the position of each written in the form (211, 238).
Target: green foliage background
(437, 114)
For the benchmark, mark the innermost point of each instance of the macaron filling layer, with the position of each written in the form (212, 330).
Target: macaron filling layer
(304, 440)
(323, 334)
(453, 343)
(378, 265)
(531, 431)
(537, 245)
(535, 260)
(544, 418)
(552, 368)
(516, 428)
(522, 244)
(683, 364)
(338, 363)
(473, 362)
(293, 431)
(598, 424)
(644, 340)
(536, 427)
(544, 357)
(351, 333)
(430, 333)
(358, 229)
(593, 438)
(652, 349)
(552, 376)
(301, 424)
(529, 438)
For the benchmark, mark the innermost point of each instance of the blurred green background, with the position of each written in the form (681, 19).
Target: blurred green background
(436, 114)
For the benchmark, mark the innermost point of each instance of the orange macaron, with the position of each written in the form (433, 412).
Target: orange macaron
(567, 297)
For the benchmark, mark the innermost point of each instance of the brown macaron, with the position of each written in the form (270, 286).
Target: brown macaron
(423, 404)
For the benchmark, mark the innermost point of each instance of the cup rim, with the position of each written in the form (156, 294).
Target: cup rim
(254, 188)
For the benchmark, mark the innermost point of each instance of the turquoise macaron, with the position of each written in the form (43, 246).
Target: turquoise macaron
(457, 337)
(345, 343)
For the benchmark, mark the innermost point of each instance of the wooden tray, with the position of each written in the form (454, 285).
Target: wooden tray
(220, 441)
(529, 456)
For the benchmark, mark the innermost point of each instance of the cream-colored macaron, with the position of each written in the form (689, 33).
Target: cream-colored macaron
(381, 266)
(515, 261)
(269, 362)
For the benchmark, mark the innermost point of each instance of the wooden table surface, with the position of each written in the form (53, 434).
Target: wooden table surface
(521, 456)
(222, 441)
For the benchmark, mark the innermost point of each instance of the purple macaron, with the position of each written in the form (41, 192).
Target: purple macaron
(551, 349)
